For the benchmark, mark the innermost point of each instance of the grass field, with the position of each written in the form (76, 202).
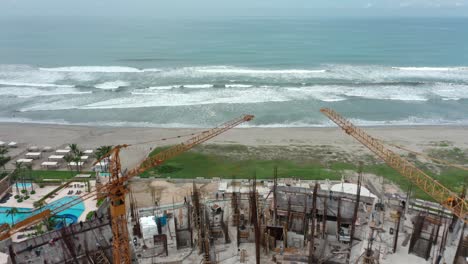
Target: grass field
(194, 164)
(40, 175)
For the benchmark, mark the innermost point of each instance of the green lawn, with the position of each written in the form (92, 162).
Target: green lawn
(194, 164)
(40, 175)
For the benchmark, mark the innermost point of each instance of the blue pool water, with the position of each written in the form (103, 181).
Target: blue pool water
(26, 185)
(75, 210)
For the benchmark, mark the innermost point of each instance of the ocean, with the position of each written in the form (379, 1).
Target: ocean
(201, 72)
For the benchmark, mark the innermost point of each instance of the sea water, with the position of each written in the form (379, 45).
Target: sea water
(200, 72)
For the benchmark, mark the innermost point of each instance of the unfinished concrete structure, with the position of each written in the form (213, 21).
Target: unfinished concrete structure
(297, 222)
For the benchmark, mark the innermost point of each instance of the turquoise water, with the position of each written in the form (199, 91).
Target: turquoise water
(75, 210)
(26, 185)
(186, 72)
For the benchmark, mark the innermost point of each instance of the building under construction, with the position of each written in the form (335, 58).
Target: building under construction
(282, 220)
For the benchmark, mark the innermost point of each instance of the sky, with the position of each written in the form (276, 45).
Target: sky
(216, 8)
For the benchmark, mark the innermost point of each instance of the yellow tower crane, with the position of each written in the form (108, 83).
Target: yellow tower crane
(115, 189)
(450, 200)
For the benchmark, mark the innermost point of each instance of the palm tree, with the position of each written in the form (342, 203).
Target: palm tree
(77, 160)
(78, 154)
(101, 152)
(69, 158)
(17, 174)
(74, 148)
(4, 159)
(29, 168)
(12, 212)
(51, 222)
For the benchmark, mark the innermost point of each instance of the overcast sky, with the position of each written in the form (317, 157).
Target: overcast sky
(207, 8)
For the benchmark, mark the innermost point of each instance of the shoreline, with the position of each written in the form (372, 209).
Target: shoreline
(144, 139)
(450, 125)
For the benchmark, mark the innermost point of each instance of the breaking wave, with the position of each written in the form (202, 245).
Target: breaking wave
(91, 69)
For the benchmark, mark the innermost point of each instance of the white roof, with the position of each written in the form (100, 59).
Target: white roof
(33, 154)
(56, 157)
(49, 163)
(351, 188)
(12, 143)
(2, 143)
(24, 161)
(83, 176)
(74, 163)
(88, 151)
(84, 157)
(62, 151)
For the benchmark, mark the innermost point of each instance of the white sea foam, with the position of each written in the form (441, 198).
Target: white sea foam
(53, 94)
(200, 97)
(98, 69)
(197, 86)
(251, 71)
(431, 68)
(152, 70)
(111, 85)
(238, 86)
(167, 87)
(14, 83)
(27, 92)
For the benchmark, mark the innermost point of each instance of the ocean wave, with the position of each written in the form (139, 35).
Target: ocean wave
(320, 123)
(196, 86)
(252, 71)
(238, 86)
(111, 85)
(147, 98)
(28, 92)
(13, 83)
(152, 70)
(91, 69)
(52, 94)
(436, 69)
(166, 87)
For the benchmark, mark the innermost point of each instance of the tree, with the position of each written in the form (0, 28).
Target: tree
(74, 149)
(17, 174)
(29, 168)
(51, 222)
(12, 212)
(69, 158)
(101, 152)
(3, 158)
(78, 154)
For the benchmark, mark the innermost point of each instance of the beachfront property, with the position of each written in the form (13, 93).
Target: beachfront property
(353, 219)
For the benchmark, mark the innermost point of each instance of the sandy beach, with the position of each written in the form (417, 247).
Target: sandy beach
(144, 139)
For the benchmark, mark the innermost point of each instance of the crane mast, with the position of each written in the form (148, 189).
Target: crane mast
(117, 188)
(457, 205)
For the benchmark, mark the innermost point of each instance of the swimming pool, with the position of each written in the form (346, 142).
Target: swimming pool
(27, 185)
(75, 210)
